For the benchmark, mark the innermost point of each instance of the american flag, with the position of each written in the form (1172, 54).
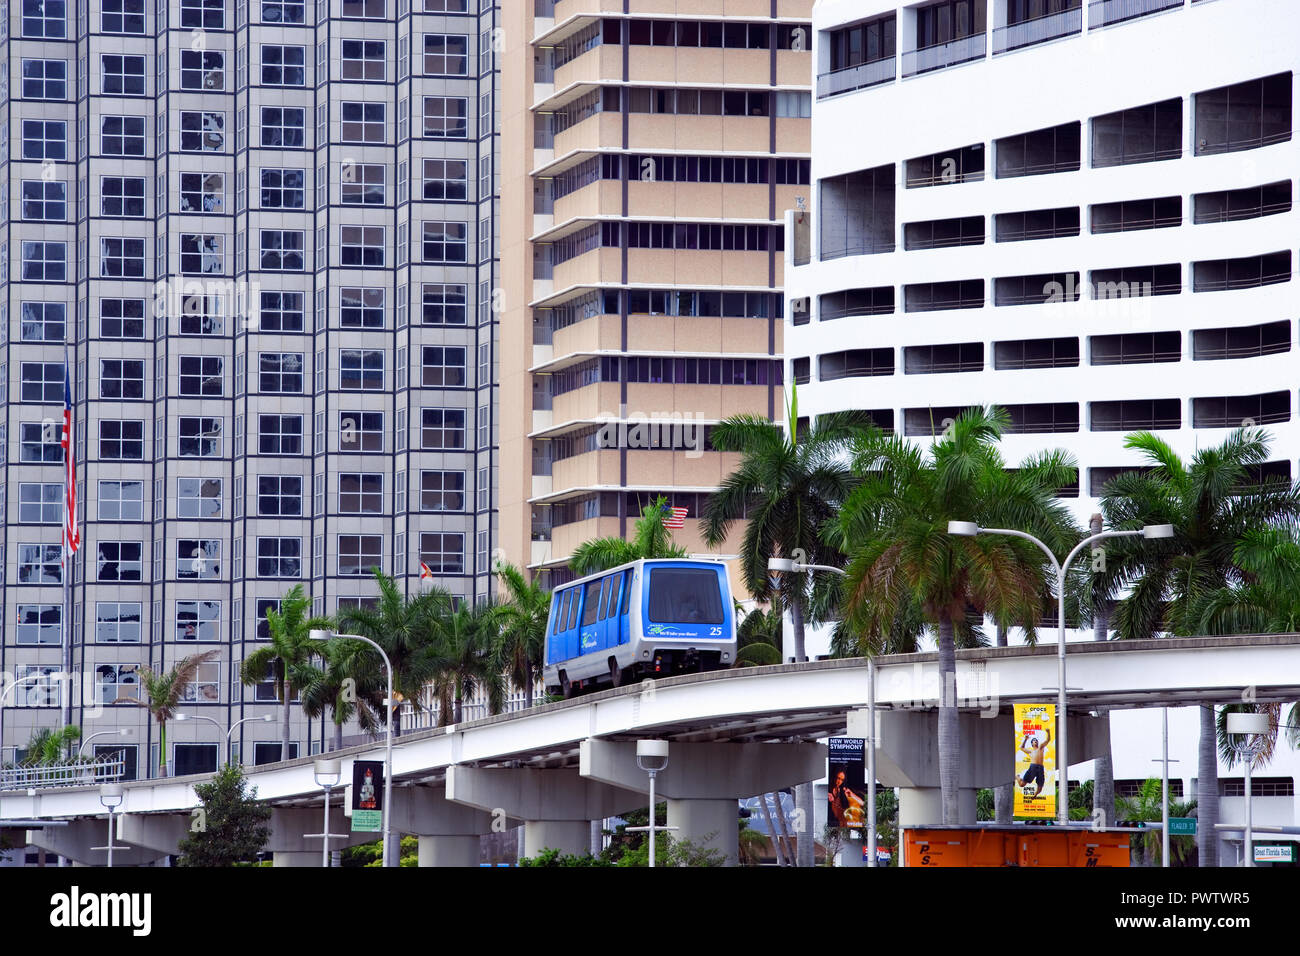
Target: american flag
(71, 534)
(673, 518)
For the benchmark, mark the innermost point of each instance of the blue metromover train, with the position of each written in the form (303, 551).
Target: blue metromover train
(649, 618)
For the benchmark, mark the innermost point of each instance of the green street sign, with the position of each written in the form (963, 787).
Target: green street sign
(1274, 853)
(1182, 826)
(367, 821)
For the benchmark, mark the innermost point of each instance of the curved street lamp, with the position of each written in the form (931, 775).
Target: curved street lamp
(969, 529)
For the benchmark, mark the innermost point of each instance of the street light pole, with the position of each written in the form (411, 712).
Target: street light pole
(968, 529)
(230, 743)
(320, 635)
(327, 774)
(1252, 728)
(111, 796)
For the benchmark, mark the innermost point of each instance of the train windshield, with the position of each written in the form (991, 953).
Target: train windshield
(685, 596)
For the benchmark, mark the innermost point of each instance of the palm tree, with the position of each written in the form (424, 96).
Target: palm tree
(785, 488)
(522, 618)
(894, 526)
(650, 539)
(336, 685)
(469, 659)
(1145, 807)
(162, 694)
(290, 647)
(46, 746)
(406, 627)
(758, 636)
(1217, 505)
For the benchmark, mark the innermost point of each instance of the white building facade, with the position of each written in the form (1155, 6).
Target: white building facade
(1080, 211)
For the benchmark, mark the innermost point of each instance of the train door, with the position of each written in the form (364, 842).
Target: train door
(608, 635)
(624, 622)
(588, 633)
(571, 625)
(554, 643)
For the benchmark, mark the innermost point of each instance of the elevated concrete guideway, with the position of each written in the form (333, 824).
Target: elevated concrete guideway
(770, 708)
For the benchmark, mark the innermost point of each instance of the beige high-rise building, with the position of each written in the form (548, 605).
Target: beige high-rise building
(650, 149)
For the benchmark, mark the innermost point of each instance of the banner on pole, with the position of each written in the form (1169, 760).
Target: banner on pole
(367, 796)
(846, 792)
(1036, 777)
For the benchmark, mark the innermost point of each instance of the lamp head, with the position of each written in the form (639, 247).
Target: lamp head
(111, 795)
(963, 529)
(1244, 724)
(780, 565)
(182, 716)
(267, 717)
(1158, 531)
(317, 634)
(327, 772)
(652, 755)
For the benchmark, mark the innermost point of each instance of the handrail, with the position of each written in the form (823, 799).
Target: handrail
(86, 773)
(1049, 26)
(1136, 225)
(940, 55)
(1241, 351)
(1233, 215)
(856, 77)
(1103, 13)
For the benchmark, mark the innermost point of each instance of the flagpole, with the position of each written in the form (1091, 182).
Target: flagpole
(65, 684)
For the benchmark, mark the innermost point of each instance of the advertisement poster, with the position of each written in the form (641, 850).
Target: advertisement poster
(1035, 788)
(367, 796)
(846, 776)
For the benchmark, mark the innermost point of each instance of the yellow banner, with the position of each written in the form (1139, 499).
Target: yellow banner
(1036, 777)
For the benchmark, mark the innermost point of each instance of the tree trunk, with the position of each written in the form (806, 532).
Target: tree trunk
(949, 732)
(284, 714)
(338, 736)
(528, 693)
(162, 748)
(803, 795)
(785, 830)
(771, 830)
(796, 622)
(1207, 790)
(1103, 775)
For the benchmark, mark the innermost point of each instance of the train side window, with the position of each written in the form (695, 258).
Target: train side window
(627, 590)
(611, 606)
(606, 589)
(573, 609)
(590, 603)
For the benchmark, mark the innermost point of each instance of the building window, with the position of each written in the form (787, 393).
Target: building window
(203, 14)
(202, 315)
(362, 123)
(445, 241)
(119, 561)
(200, 438)
(283, 189)
(1244, 115)
(279, 557)
(281, 312)
(43, 321)
(198, 620)
(44, 19)
(202, 254)
(364, 59)
(122, 196)
(203, 192)
(121, 136)
(279, 434)
(45, 201)
(40, 564)
(46, 261)
(121, 440)
(45, 139)
(205, 132)
(279, 496)
(361, 494)
(121, 318)
(39, 623)
(198, 497)
(121, 258)
(284, 65)
(442, 429)
(202, 376)
(361, 308)
(363, 9)
(360, 553)
(442, 366)
(41, 382)
(443, 553)
(284, 11)
(47, 79)
(280, 373)
(361, 431)
(117, 682)
(361, 369)
(118, 500)
(122, 75)
(282, 127)
(445, 180)
(361, 246)
(444, 117)
(446, 55)
(198, 558)
(282, 251)
(203, 71)
(121, 16)
(362, 184)
(442, 491)
(443, 304)
(40, 443)
(117, 623)
(121, 378)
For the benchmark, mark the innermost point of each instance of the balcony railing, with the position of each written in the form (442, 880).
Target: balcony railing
(1235, 421)
(1257, 211)
(1102, 13)
(1150, 357)
(944, 54)
(863, 247)
(856, 77)
(83, 774)
(1210, 353)
(1038, 30)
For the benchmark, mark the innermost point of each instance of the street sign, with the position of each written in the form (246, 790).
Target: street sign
(1283, 853)
(1182, 826)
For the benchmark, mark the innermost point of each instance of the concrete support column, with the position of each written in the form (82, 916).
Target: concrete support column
(295, 858)
(850, 854)
(923, 806)
(448, 851)
(567, 836)
(709, 824)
